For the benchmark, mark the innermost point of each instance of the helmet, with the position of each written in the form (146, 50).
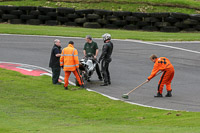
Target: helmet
(106, 36)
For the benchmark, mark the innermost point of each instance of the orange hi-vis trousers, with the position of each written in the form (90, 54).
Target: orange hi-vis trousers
(77, 75)
(166, 79)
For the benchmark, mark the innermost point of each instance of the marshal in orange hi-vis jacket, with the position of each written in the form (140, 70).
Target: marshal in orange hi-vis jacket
(162, 64)
(70, 63)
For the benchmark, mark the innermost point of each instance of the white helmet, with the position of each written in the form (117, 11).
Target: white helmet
(106, 36)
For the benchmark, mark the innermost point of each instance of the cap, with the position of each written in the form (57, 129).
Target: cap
(89, 37)
(71, 42)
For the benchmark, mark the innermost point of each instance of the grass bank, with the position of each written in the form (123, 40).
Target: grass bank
(184, 6)
(97, 33)
(33, 104)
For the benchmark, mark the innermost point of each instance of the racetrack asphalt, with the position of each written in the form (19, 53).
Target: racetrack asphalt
(130, 67)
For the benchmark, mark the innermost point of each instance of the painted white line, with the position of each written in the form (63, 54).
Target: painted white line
(39, 68)
(94, 38)
(43, 36)
(126, 40)
(179, 42)
(161, 45)
(25, 69)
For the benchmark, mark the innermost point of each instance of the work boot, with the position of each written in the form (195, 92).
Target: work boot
(109, 82)
(100, 79)
(82, 86)
(158, 95)
(169, 94)
(57, 83)
(104, 84)
(66, 88)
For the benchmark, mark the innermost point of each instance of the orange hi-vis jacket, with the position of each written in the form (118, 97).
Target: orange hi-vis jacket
(69, 58)
(161, 64)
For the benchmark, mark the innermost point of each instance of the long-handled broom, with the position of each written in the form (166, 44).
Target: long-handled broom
(125, 96)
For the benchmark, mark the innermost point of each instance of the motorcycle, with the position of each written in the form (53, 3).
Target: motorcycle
(87, 66)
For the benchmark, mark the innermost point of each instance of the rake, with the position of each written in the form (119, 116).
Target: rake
(125, 96)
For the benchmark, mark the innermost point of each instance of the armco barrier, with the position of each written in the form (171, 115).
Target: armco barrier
(97, 18)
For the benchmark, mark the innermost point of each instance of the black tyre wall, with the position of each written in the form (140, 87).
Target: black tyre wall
(34, 22)
(9, 16)
(97, 18)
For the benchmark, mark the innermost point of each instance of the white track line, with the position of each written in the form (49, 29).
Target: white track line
(161, 45)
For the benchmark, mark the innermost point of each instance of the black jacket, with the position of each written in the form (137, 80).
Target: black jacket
(55, 61)
(106, 52)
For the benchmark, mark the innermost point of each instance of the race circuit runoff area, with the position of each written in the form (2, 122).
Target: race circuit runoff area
(129, 68)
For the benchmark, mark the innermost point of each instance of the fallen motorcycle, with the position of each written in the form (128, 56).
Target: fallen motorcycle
(87, 66)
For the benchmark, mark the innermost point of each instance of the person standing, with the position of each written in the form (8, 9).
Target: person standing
(91, 48)
(105, 58)
(54, 62)
(162, 64)
(70, 63)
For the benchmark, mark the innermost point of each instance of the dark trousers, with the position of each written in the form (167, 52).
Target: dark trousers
(105, 71)
(55, 74)
(98, 71)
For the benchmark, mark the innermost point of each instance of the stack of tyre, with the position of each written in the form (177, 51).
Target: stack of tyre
(165, 22)
(97, 18)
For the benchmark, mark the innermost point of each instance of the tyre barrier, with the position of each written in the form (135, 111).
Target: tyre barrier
(169, 29)
(63, 11)
(195, 17)
(181, 25)
(84, 11)
(51, 22)
(9, 16)
(16, 21)
(102, 21)
(16, 12)
(71, 24)
(1, 12)
(92, 16)
(103, 12)
(27, 17)
(8, 8)
(131, 27)
(34, 12)
(45, 10)
(163, 24)
(122, 14)
(91, 25)
(80, 21)
(120, 23)
(111, 26)
(150, 28)
(159, 15)
(44, 17)
(132, 19)
(27, 8)
(99, 18)
(62, 19)
(34, 22)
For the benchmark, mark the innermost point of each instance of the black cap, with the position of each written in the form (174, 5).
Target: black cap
(71, 42)
(89, 37)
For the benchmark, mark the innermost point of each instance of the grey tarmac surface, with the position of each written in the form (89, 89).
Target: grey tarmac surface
(130, 67)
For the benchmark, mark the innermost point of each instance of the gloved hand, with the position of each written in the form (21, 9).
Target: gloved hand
(62, 67)
(98, 61)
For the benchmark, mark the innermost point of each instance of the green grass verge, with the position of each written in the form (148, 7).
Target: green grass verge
(184, 6)
(33, 104)
(97, 33)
